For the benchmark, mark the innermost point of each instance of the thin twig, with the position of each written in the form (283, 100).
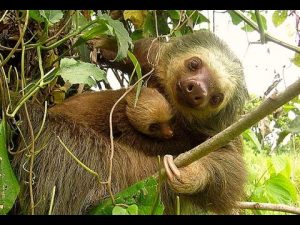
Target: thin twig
(268, 206)
(61, 30)
(18, 42)
(177, 205)
(31, 134)
(4, 14)
(185, 21)
(267, 35)
(77, 160)
(39, 132)
(111, 132)
(156, 26)
(52, 200)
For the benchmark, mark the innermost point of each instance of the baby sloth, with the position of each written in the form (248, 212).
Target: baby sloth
(151, 115)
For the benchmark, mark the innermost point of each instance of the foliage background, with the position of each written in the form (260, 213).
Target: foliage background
(63, 58)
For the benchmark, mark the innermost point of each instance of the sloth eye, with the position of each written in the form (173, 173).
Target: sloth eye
(154, 127)
(216, 99)
(194, 63)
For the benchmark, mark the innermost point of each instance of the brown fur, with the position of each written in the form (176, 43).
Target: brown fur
(215, 182)
(151, 109)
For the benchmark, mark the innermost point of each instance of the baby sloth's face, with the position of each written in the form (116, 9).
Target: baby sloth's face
(162, 130)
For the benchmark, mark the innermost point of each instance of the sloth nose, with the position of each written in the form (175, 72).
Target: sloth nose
(193, 91)
(169, 134)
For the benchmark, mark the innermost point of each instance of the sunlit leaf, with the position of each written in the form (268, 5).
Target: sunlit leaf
(279, 165)
(77, 72)
(280, 189)
(52, 16)
(279, 16)
(118, 210)
(296, 59)
(133, 209)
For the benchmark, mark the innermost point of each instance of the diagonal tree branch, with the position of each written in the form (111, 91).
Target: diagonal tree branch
(268, 106)
(268, 206)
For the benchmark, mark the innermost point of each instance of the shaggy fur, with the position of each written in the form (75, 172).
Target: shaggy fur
(215, 182)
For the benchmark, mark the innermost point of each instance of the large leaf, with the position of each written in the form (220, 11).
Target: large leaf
(9, 186)
(280, 189)
(107, 26)
(52, 16)
(139, 197)
(279, 16)
(119, 31)
(36, 15)
(48, 16)
(77, 72)
(279, 165)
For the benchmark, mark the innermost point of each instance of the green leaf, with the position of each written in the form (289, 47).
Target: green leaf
(77, 72)
(133, 209)
(296, 59)
(279, 165)
(142, 194)
(122, 36)
(137, 68)
(107, 26)
(118, 210)
(9, 186)
(201, 18)
(52, 16)
(81, 21)
(174, 14)
(253, 17)
(162, 24)
(279, 16)
(197, 17)
(36, 15)
(96, 31)
(280, 189)
(250, 135)
(234, 18)
(149, 27)
(136, 35)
